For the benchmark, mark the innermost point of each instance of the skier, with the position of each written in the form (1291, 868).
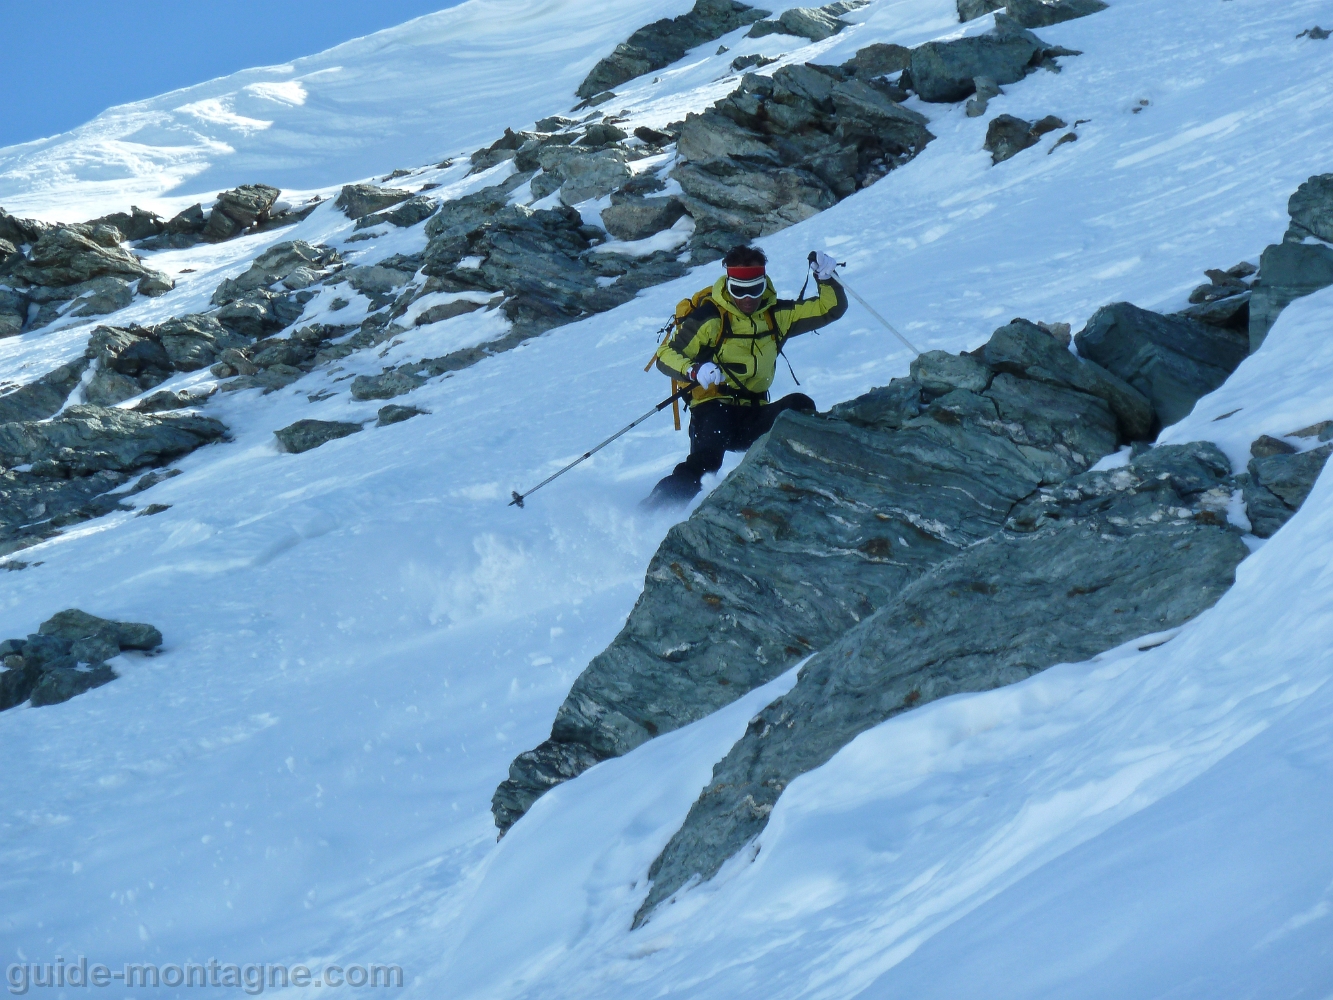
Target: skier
(728, 346)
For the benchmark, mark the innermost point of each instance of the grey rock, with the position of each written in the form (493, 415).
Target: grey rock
(1277, 486)
(1287, 272)
(939, 372)
(828, 518)
(63, 683)
(76, 625)
(630, 218)
(13, 312)
(385, 386)
(410, 213)
(1042, 13)
(593, 176)
(239, 209)
(194, 341)
(20, 232)
(1007, 136)
(275, 265)
(878, 59)
(42, 397)
(1232, 313)
(259, 313)
(1024, 349)
(813, 23)
(663, 42)
(135, 224)
(36, 507)
(753, 60)
(1172, 360)
(447, 310)
(357, 200)
(307, 434)
(1006, 608)
(108, 387)
(394, 414)
(946, 71)
(86, 438)
(602, 134)
(76, 254)
(1265, 446)
(375, 278)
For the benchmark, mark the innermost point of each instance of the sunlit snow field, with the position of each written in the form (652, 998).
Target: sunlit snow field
(360, 638)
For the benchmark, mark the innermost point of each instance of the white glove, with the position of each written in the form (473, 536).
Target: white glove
(707, 374)
(824, 266)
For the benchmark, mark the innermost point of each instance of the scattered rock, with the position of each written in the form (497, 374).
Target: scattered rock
(1172, 360)
(663, 42)
(134, 225)
(1007, 136)
(239, 209)
(946, 71)
(745, 62)
(358, 200)
(878, 59)
(814, 23)
(1278, 482)
(66, 656)
(830, 518)
(307, 434)
(394, 414)
(1141, 557)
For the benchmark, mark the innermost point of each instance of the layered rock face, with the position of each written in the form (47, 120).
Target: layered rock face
(1103, 559)
(828, 519)
(825, 521)
(782, 148)
(66, 656)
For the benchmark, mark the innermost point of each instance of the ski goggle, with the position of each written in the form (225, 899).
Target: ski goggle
(746, 288)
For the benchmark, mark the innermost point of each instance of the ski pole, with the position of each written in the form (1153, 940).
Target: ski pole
(868, 308)
(678, 394)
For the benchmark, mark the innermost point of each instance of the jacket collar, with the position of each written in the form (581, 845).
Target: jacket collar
(723, 301)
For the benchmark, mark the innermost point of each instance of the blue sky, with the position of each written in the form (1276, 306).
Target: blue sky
(68, 60)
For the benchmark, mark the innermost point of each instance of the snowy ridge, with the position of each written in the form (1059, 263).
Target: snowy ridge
(360, 638)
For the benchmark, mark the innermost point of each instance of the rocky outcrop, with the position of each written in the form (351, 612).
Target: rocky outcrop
(239, 209)
(1110, 557)
(250, 307)
(783, 148)
(663, 42)
(276, 362)
(1225, 300)
(136, 224)
(357, 200)
(72, 270)
(946, 71)
(305, 435)
(828, 519)
(1007, 136)
(411, 212)
(1302, 263)
(1276, 483)
(42, 397)
(84, 439)
(1172, 360)
(66, 656)
(1031, 13)
(132, 359)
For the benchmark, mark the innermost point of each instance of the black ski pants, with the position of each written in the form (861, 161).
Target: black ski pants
(717, 427)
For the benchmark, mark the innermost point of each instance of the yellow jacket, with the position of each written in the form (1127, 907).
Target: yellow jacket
(749, 345)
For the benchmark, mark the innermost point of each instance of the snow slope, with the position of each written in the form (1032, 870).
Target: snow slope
(361, 637)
